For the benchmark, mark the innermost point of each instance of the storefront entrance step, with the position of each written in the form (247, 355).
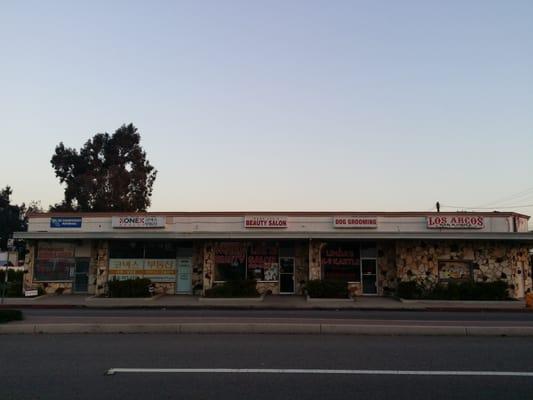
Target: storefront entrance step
(328, 300)
(226, 300)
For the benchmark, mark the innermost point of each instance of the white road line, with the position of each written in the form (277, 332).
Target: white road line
(113, 371)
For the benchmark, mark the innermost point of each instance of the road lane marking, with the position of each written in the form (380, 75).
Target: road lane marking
(113, 371)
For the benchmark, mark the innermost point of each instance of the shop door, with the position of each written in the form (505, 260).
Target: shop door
(369, 276)
(81, 275)
(286, 275)
(184, 275)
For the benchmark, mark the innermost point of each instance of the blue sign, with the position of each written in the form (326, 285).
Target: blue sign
(69, 222)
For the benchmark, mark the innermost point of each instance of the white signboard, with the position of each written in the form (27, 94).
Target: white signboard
(30, 293)
(157, 270)
(455, 222)
(265, 221)
(355, 221)
(136, 221)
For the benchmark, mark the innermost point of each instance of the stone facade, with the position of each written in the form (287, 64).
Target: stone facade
(490, 261)
(315, 269)
(101, 260)
(400, 260)
(198, 268)
(386, 263)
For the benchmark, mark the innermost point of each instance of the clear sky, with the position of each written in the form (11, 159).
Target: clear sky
(278, 105)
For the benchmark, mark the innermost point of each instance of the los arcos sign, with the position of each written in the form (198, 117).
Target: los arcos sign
(455, 222)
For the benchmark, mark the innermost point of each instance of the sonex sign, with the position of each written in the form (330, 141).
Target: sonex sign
(455, 222)
(138, 221)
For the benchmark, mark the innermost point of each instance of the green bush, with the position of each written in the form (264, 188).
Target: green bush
(14, 282)
(138, 287)
(236, 288)
(410, 290)
(469, 290)
(10, 315)
(327, 289)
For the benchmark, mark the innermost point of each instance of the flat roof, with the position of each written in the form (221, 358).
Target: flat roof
(285, 213)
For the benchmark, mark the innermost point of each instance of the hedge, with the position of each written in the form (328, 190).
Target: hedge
(496, 290)
(10, 315)
(138, 287)
(14, 283)
(327, 289)
(236, 288)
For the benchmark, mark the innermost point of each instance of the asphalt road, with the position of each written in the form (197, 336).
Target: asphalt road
(74, 367)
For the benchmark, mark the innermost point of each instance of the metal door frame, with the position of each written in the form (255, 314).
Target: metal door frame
(376, 275)
(190, 291)
(293, 273)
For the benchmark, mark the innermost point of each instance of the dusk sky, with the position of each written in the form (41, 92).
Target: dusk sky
(279, 105)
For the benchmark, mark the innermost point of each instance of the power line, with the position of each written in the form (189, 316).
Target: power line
(509, 197)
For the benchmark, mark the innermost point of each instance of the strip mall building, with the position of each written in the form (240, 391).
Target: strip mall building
(186, 253)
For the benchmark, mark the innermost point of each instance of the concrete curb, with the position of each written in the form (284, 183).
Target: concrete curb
(261, 328)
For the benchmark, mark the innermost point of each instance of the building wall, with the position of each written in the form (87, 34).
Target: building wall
(491, 261)
(386, 262)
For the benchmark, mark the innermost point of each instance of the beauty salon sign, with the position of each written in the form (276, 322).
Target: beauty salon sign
(260, 221)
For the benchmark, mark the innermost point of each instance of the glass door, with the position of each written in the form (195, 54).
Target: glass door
(286, 275)
(81, 275)
(184, 275)
(369, 276)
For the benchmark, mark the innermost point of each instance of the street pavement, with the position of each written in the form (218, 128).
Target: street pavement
(75, 366)
(322, 322)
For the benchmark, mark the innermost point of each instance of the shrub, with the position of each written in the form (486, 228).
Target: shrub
(454, 291)
(409, 290)
(138, 287)
(10, 315)
(236, 288)
(14, 282)
(327, 289)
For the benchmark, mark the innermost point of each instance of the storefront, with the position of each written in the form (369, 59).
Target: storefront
(187, 253)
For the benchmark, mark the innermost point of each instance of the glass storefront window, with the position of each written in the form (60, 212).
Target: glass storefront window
(341, 262)
(263, 261)
(230, 261)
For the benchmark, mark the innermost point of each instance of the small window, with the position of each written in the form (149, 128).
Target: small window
(160, 250)
(368, 250)
(126, 249)
(455, 271)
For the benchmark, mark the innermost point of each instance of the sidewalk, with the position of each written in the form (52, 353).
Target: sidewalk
(268, 302)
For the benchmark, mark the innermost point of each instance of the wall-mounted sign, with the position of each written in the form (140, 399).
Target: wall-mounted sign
(157, 270)
(355, 221)
(455, 222)
(265, 221)
(65, 222)
(136, 221)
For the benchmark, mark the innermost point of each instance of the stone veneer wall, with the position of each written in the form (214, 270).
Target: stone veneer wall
(491, 260)
(315, 269)
(197, 267)
(101, 261)
(386, 262)
(209, 266)
(301, 266)
(29, 263)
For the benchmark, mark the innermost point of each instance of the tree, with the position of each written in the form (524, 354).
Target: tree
(12, 217)
(109, 173)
